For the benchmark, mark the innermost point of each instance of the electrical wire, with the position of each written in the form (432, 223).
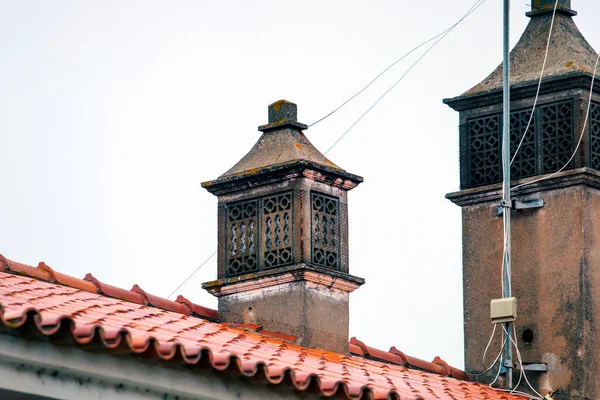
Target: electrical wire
(488, 369)
(514, 342)
(587, 115)
(473, 7)
(522, 375)
(477, 4)
(488, 344)
(537, 93)
(192, 274)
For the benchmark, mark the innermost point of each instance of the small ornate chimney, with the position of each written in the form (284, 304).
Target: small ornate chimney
(283, 237)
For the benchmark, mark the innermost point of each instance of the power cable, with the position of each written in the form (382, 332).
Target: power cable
(488, 369)
(192, 274)
(477, 4)
(524, 375)
(394, 63)
(443, 34)
(537, 93)
(587, 115)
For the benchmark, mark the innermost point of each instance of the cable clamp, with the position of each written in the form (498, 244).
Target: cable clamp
(519, 205)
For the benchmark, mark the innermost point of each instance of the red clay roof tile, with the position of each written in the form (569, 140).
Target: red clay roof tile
(22, 269)
(197, 309)
(120, 321)
(395, 356)
(113, 291)
(282, 336)
(67, 280)
(159, 302)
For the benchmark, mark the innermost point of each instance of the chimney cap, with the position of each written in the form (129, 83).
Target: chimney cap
(540, 7)
(282, 113)
(282, 148)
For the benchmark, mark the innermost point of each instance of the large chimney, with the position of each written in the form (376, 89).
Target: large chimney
(555, 242)
(283, 237)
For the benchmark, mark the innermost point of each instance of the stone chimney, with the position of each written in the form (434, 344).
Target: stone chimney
(539, 7)
(283, 237)
(556, 225)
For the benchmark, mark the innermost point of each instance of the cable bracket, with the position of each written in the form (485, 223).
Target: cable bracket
(533, 367)
(519, 205)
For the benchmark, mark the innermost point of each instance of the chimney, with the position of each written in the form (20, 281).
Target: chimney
(539, 7)
(283, 237)
(556, 222)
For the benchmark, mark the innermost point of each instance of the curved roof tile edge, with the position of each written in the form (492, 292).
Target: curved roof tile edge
(50, 324)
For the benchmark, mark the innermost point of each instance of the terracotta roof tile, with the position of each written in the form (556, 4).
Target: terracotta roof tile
(198, 310)
(116, 321)
(162, 303)
(68, 280)
(113, 291)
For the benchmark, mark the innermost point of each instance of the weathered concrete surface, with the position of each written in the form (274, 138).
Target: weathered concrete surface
(556, 279)
(569, 54)
(318, 315)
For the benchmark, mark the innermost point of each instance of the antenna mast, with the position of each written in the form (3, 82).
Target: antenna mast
(506, 200)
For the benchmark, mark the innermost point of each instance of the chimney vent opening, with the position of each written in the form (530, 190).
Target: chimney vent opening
(528, 337)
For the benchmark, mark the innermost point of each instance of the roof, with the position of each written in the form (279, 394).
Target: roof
(276, 147)
(281, 146)
(569, 54)
(94, 312)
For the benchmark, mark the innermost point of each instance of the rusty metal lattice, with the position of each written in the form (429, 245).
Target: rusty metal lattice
(484, 150)
(595, 136)
(259, 234)
(556, 139)
(524, 163)
(277, 223)
(241, 238)
(325, 238)
(547, 146)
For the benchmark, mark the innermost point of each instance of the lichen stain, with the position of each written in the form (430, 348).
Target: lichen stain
(298, 145)
(278, 104)
(569, 64)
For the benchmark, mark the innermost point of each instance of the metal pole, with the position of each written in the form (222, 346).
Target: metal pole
(506, 200)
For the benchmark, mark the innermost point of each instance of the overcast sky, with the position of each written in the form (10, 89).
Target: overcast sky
(113, 112)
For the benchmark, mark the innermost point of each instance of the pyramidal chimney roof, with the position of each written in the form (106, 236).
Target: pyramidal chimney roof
(569, 52)
(282, 145)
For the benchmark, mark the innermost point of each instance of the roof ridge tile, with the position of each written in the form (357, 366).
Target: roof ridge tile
(68, 280)
(24, 269)
(160, 302)
(395, 356)
(199, 310)
(116, 292)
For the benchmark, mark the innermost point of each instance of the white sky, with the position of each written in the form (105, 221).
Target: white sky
(113, 112)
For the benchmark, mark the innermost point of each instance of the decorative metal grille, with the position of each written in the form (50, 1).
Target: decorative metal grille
(484, 150)
(524, 163)
(595, 135)
(241, 246)
(277, 230)
(325, 220)
(259, 234)
(547, 146)
(556, 139)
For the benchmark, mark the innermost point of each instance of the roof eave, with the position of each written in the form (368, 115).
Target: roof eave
(521, 90)
(273, 173)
